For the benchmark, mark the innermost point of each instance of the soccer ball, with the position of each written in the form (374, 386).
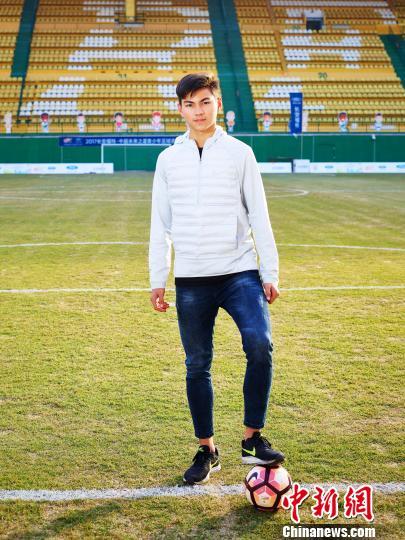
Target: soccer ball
(266, 486)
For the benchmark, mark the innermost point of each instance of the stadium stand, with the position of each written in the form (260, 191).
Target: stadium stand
(343, 67)
(100, 66)
(85, 56)
(10, 13)
(398, 7)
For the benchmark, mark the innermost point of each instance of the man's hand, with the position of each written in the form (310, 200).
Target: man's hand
(271, 291)
(157, 299)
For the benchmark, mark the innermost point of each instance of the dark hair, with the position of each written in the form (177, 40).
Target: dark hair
(195, 81)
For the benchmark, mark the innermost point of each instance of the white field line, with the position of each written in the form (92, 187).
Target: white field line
(345, 288)
(176, 491)
(128, 243)
(66, 199)
(357, 191)
(43, 244)
(135, 289)
(342, 247)
(273, 192)
(289, 192)
(302, 194)
(16, 190)
(62, 190)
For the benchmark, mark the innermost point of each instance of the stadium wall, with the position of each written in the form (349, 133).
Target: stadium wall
(267, 147)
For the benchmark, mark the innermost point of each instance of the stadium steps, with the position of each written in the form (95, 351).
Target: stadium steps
(231, 65)
(23, 43)
(277, 36)
(395, 47)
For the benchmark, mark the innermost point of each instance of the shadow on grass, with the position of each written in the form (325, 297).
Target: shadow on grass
(244, 522)
(66, 523)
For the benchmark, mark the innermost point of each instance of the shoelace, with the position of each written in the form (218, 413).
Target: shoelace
(200, 457)
(266, 441)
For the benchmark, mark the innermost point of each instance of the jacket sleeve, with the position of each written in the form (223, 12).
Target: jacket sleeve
(160, 244)
(255, 201)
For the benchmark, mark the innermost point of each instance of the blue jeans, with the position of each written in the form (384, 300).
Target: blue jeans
(243, 297)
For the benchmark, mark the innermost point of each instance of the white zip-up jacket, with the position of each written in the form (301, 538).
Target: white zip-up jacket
(208, 207)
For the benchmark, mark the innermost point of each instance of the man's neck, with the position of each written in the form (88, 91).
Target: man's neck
(200, 138)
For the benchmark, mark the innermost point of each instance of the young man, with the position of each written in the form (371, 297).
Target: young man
(207, 196)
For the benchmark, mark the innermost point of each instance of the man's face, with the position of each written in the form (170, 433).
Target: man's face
(200, 110)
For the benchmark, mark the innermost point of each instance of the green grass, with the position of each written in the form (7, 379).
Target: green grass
(92, 391)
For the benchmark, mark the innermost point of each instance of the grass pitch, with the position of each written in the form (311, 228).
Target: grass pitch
(92, 389)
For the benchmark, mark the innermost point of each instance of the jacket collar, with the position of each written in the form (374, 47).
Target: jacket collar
(185, 138)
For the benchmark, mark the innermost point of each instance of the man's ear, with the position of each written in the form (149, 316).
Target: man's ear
(179, 108)
(219, 103)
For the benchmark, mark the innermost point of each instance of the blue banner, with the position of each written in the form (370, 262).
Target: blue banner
(295, 112)
(98, 141)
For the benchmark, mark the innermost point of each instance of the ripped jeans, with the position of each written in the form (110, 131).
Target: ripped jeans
(243, 297)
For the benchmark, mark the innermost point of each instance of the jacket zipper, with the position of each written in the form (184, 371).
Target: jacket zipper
(199, 174)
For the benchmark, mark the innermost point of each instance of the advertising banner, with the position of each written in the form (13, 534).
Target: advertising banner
(360, 167)
(56, 168)
(103, 139)
(295, 112)
(275, 167)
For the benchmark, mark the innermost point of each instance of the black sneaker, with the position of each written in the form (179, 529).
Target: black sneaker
(257, 450)
(204, 462)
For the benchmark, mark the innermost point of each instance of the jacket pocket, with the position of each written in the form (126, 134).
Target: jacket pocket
(207, 235)
(218, 236)
(184, 234)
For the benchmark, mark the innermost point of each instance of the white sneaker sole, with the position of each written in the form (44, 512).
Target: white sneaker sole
(204, 480)
(247, 460)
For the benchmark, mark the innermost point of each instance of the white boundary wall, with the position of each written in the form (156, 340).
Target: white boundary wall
(302, 166)
(305, 166)
(360, 167)
(56, 168)
(275, 167)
